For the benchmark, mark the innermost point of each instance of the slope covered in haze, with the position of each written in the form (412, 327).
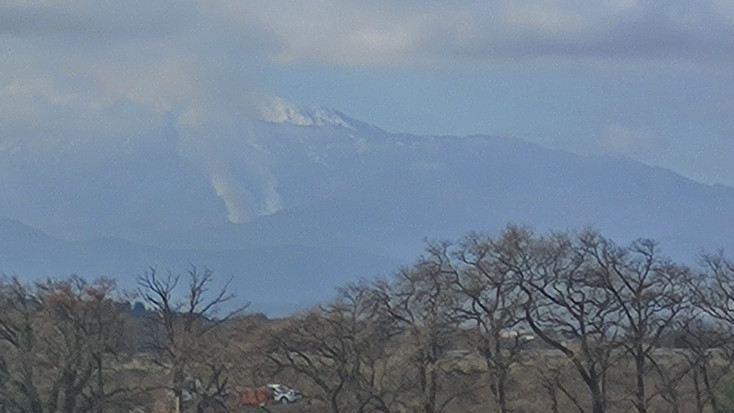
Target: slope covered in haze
(360, 186)
(304, 200)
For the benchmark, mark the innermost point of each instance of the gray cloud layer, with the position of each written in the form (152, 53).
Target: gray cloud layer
(439, 32)
(93, 78)
(361, 32)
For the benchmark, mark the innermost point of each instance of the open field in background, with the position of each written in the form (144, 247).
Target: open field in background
(534, 384)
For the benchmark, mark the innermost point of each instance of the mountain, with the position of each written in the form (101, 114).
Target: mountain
(272, 279)
(302, 201)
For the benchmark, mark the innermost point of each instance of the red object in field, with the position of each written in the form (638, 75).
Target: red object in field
(256, 396)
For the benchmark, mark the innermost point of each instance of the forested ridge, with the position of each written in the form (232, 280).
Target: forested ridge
(516, 322)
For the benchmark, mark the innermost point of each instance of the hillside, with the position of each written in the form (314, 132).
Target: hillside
(301, 202)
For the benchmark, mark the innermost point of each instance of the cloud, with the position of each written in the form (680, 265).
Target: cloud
(94, 20)
(620, 140)
(377, 34)
(369, 33)
(44, 119)
(84, 82)
(91, 78)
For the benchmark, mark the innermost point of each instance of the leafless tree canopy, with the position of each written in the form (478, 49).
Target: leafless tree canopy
(560, 322)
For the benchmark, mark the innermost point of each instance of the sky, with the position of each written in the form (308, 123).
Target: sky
(646, 79)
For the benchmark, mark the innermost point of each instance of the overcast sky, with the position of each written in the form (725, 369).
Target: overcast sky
(648, 79)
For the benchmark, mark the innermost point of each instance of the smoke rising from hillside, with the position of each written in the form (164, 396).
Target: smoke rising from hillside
(245, 202)
(237, 199)
(226, 150)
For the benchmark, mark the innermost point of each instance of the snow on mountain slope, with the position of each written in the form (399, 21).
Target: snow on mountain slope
(318, 190)
(278, 110)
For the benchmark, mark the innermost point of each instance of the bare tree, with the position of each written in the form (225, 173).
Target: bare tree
(567, 305)
(650, 292)
(320, 348)
(58, 341)
(342, 348)
(707, 355)
(182, 323)
(551, 378)
(423, 303)
(494, 304)
(713, 294)
(374, 382)
(20, 348)
(89, 320)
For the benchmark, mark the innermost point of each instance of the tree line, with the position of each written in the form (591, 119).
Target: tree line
(559, 322)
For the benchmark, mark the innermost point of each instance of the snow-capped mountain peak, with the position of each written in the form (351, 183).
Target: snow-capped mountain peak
(279, 110)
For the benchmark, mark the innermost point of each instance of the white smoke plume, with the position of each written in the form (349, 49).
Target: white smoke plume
(245, 184)
(237, 199)
(273, 201)
(237, 166)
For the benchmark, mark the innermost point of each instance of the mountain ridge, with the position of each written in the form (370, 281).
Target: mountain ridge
(333, 195)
